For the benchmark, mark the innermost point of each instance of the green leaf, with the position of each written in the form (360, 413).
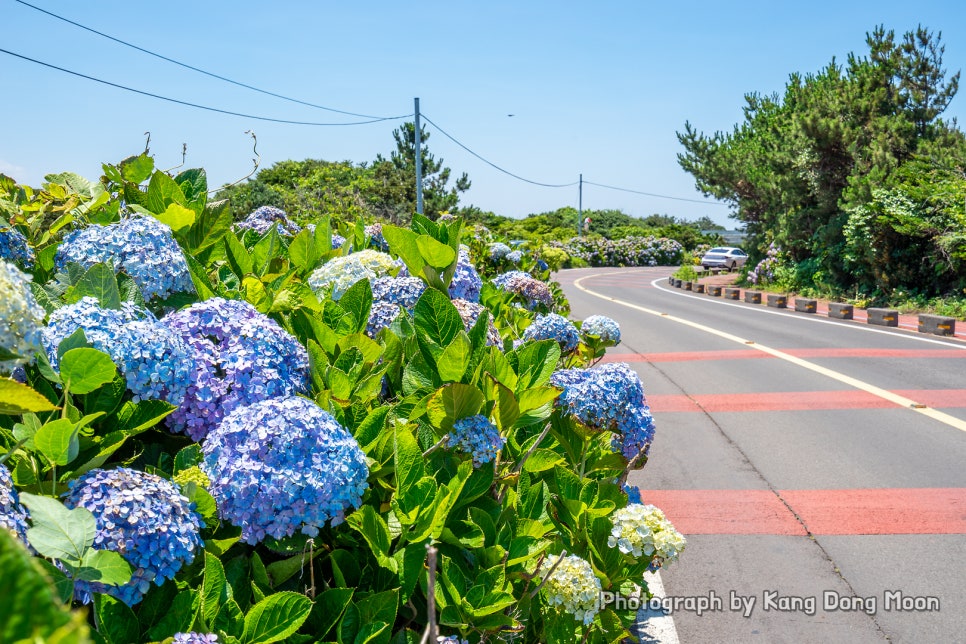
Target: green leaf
(275, 618)
(75, 340)
(214, 588)
(542, 459)
(402, 242)
(135, 417)
(57, 441)
(266, 249)
(455, 358)
(107, 398)
(137, 168)
(99, 282)
(162, 192)
(213, 224)
(437, 321)
(188, 457)
(357, 301)
(328, 609)
(452, 402)
(370, 349)
(57, 532)
(179, 618)
(436, 254)
(105, 567)
(230, 619)
(256, 294)
(374, 530)
(176, 217)
(407, 458)
(239, 258)
(199, 277)
(535, 362)
(17, 399)
(84, 370)
(303, 251)
(194, 184)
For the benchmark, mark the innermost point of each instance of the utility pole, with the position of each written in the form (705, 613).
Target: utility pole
(419, 163)
(580, 206)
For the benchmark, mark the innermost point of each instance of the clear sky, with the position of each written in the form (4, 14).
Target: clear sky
(598, 88)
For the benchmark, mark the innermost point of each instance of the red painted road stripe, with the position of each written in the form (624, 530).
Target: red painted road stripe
(745, 354)
(824, 512)
(800, 400)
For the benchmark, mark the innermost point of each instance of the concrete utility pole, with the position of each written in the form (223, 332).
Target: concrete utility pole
(580, 206)
(419, 163)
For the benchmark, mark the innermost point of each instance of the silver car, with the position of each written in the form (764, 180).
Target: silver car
(724, 257)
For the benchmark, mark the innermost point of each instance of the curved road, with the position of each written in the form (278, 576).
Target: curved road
(817, 467)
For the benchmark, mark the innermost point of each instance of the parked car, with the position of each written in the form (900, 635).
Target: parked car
(724, 257)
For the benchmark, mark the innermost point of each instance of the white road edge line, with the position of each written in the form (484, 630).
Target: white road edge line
(654, 625)
(885, 394)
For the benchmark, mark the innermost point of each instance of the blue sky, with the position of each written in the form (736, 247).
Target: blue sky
(594, 88)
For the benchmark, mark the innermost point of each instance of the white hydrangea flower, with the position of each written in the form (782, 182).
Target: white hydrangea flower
(339, 273)
(572, 586)
(21, 318)
(643, 530)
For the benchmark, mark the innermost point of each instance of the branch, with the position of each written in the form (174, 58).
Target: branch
(255, 161)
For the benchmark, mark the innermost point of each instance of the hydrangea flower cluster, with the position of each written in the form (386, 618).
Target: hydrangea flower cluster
(381, 316)
(281, 466)
(764, 272)
(635, 432)
(533, 291)
(13, 516)
(603, 327)
(630, 251)
(14, 247)
(142, 247)
(643, 530)
(339, 273)
(142, 517)
(261, 219)
(572, 587)
(515, 257)
(404, 291)
(633, 493)
(466, 282)
(470, 313)
(241, 356)
(376, 238)
(157, 364)
(195, 638)
(21, 318)
(337, 241)
(477, 436)
(554, 327)
(498, 250)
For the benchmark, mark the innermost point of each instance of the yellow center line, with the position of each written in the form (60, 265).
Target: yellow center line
(885, 394)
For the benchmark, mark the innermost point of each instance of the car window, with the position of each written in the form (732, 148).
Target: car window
(718, 250)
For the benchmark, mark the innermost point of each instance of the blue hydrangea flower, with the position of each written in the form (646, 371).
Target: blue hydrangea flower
(599, 397)
(635, 432)
(261, 219)
(477, 436)
(466, 282)
(554, 327)
(142, 247)
(156, 363)
(376, 238)
(515, 257)
(21, 318)
(633, 493)
(533, 291)
(337, 241)
(498, 250)
(404, 291)
(603, 327)
(195, 638)
(283, 466)
(145, 519)
(381, 316)
(13, 516)
(339, 273)
(470, 313)
(241, 356)
(14, 247)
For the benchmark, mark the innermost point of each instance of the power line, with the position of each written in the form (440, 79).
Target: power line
(195, 105)
(493, 165)
(207, 73)
(651, 194)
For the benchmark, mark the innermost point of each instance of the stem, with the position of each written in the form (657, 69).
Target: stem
(9, 453)
(546, 577)
(519, 466)
(431, 628)
(435, 447)
(583, 457)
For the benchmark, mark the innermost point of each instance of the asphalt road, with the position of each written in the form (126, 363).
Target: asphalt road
(817, 467)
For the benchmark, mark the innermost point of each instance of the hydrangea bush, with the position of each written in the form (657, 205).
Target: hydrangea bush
(264, 217)
(338, 415)
(21, 319)
(14, 248)
(630, 251)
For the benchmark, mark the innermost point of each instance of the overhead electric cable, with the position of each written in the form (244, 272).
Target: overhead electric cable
(651, 194)
(207, 73)
(195, 105)
(493, 165)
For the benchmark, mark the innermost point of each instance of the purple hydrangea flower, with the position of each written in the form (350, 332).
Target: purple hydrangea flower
(533, 291)
(466, 282)
(477, 436)
(283, 466)
(261, 219)
(157, 364)
(381, 316)
(241, 356)
(470, 313)
(13, 516)
(195, 638)
(142, 247)
(14, 247)
(145, 519)
(603, 327)
(376, 238)
(554, 327)
(404, 291)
